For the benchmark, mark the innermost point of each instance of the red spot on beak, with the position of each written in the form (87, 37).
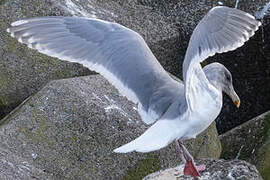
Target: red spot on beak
(237, 103)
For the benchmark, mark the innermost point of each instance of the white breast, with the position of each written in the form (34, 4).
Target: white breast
(207, 109)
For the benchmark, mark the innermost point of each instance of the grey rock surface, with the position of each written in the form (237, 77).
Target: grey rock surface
(215, 169)
(166, 27)
(13, 167)
(250, 142)
(70, 127)
(24, 71)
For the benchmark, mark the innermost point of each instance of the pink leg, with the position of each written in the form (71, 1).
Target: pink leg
(180, 153)
(190, 168)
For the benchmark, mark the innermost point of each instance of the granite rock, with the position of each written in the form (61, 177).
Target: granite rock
(215, 169)
(24, 71)
(250, 142)
(13, 167)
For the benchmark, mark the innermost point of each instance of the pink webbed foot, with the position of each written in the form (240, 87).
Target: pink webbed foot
(192, 170)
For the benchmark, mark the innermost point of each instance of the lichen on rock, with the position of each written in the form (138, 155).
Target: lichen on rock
(215, 169)
(251, 142)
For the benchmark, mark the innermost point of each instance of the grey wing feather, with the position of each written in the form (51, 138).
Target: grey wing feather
(222, 29)
(118, 53)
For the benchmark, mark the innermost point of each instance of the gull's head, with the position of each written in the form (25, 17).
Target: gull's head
(220, 77)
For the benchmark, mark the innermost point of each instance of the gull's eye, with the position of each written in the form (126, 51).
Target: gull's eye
(228, 78)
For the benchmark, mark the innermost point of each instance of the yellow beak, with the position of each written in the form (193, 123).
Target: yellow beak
(235, 99)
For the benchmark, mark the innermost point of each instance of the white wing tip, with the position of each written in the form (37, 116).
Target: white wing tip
(117, 150)
(20, 39)
(250, 16)
(122, 149)
(30, 46)
(8, 30)
(20, 22)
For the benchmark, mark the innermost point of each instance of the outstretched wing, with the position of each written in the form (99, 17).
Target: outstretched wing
(118, 53)
(222, 29)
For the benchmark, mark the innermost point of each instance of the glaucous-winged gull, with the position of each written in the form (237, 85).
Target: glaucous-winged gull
(178, 111)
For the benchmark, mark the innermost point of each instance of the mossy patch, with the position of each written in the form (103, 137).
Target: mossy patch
(264, 152)
(265, 171)
(4, 81)
(5, 105)
(4, 101)
(12, 46)
(214, 147)
(9, 116)
(2, 2)
(204, 63)
(143, 168)
(266, 128)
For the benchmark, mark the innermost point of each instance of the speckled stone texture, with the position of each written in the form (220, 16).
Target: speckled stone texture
(70, 127)
(215, 170)
(250, 142)
(13, 167)
(24, 71)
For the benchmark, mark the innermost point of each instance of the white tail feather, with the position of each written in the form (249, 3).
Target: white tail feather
(162, 133)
